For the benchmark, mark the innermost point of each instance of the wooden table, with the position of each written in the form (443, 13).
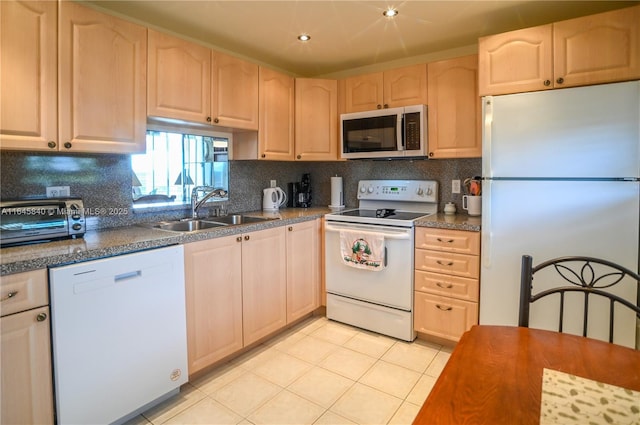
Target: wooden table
(494, 375)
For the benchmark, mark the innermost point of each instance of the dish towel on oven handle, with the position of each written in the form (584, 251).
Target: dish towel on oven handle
(363, 250)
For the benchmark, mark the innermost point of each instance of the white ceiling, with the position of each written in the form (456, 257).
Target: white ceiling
(345, 34)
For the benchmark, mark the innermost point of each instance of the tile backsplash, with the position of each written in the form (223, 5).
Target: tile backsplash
(104, 181)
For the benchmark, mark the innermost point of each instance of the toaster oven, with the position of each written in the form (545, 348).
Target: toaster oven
(41, 220)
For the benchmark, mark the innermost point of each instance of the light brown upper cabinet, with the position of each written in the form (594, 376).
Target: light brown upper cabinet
(103, 68)
(235, 92)
(179, 85)
(275, 132)
(594, 49)
(316, 119)
(28, 87)
(190, 82)
(389, 89)
(454, 111)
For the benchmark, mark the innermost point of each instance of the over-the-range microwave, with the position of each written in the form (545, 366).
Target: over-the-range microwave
(384, 133)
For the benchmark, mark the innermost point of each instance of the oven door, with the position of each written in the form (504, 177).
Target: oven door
(392, 286)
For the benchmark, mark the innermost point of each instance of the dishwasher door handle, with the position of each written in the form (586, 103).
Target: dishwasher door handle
(127, 276)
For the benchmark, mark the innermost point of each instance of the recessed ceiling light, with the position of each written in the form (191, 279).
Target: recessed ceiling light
(304, 37)
(390, 13)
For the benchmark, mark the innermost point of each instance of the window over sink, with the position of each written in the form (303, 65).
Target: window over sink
(175, 162)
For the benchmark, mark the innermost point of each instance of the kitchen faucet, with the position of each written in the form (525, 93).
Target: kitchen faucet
(209, 192)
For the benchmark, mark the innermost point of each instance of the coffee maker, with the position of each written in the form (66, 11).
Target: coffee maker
(300, 193)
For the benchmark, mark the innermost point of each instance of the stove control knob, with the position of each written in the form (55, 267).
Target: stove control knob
(363, 189)
(370, 190)
(429, 191)
(419, 191)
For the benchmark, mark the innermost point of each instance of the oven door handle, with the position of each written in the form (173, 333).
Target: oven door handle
(388, 233)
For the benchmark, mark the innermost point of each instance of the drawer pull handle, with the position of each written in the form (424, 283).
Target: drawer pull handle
(9, 295)
(447, 241)
(450, 263)
(444, 308)
(445, 286)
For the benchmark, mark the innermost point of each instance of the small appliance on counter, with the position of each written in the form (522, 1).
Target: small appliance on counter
(273, 198)
(41, 220)
(300, 193)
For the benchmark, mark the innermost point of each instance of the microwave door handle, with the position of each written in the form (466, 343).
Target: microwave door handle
(400, 132)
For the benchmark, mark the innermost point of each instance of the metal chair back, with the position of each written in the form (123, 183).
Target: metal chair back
(587, 275)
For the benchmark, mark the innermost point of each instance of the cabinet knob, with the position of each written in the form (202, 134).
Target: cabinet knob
(379, 106)
(299, 157)
(547, 83)
(216, 120)
(290, 229)
(41, 317)
(51, 144)
(444, 308)
(263, 155)
(9, 295)
(208, 119)
(239, 239)
(246, 238)
(431, 154)
(386, 105)
(560, 80)
(68, 145)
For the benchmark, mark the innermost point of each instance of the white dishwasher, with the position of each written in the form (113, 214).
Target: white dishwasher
(119, 335)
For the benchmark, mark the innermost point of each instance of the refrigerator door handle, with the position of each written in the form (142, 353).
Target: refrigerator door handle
(487, 121)
(486, 223)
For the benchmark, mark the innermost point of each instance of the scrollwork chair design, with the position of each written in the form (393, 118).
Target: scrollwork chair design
(588, 275)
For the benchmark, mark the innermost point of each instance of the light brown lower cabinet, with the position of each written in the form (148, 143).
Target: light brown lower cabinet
(26, 393)
(447, 274)
(213, 285)
(242, 288)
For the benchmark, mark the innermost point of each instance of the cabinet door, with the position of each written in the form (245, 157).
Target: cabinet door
(596, 49)
(316, 120)
(516, 61)
(275, 133)
(364, 92)
(443, 317)
(179, 85)
(25, 353)
(234, 92)
(264, 283)
(405, 86)
(103, 65)
(213, 280)
(28, 87)
(303, 269)
(454, 109)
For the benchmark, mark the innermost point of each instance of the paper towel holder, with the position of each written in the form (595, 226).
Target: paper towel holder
(337, 195)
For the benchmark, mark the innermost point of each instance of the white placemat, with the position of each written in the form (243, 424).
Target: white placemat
(569, 399)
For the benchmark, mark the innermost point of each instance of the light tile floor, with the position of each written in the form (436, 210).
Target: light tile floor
(318, 372)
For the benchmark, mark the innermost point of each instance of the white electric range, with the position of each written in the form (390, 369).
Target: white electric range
(369, 255)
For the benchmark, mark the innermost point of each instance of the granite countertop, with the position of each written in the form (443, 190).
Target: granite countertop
(122, 240)
(452, 222)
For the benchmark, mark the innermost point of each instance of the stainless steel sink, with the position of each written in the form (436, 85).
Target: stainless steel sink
(186, 226)
(235, 219)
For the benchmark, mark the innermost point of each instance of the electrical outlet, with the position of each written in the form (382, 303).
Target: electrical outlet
(58, 191)
(455, 186)
(273, 183)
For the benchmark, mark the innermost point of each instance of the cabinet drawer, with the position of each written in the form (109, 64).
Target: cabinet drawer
(459, 241)
(23, 291)
(448, 286)
(448, 263)
(443, 317)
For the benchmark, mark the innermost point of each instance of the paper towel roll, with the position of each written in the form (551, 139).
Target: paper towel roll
(337, 200)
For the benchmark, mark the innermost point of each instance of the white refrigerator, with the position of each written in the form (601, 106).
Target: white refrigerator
(561, 177)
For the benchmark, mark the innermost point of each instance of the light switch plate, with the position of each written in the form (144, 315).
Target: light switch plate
(455, 186)
(58, 191)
